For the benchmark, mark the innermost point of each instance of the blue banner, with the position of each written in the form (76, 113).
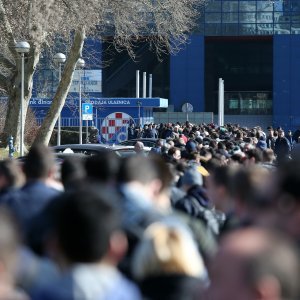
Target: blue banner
(107, 102)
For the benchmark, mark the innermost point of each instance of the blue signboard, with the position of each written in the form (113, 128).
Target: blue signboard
(107, 102)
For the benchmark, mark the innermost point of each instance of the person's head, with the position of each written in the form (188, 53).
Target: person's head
(280, 133)
(268, 155)
(191, 146)
(253, 156)
(159, 143)
(167, 249)
(287, 196)
(40, 162)
(254, 264)
(10, 174)
(218, 187)
(175, 153)
(271, 132)
(150, 174)
(103, 167)
(250, 189)
(191, 177)
(86, 225)
(72, 171)
(139, 147)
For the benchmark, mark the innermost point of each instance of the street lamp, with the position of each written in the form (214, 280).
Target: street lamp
(80, 64)
(59, 58)
(22, 48)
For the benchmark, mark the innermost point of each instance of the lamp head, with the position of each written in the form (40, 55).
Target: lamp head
(22, 47)
(80, 63)
(59, 58)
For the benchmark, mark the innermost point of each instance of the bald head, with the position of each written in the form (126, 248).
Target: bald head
(139, 147)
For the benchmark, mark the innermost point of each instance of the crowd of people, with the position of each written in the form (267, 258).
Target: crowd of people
(209, 213)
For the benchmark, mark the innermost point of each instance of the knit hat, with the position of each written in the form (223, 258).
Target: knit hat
(191, 146)
(261, 145)
(192, 177)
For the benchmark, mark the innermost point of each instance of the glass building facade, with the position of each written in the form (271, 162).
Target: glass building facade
(250, 17)
(254, 46)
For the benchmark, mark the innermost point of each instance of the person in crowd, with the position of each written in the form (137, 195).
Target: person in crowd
(39, 168)
(145, 186)
(282, 147)
(10, 243)
(167, 263)
(72, 171)
(268, 159)
(251, 190)
(151, 132)
(195, 202)
(131, 132)
(11, 177)
(254, 264)
(102, 168)
(289, 137)
(167, 132)
(87, 244)
(261, 144)
(157, 149)
(287, 197)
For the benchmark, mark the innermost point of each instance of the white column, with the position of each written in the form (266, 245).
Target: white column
(144, 84)
(150, 86)
(221, 103)
(137, 84)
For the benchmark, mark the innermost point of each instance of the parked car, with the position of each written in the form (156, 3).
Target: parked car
(146, 141)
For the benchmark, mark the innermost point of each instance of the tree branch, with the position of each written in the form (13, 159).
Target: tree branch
(7, 30)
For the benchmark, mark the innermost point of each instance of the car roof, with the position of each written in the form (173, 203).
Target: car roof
(93, 149)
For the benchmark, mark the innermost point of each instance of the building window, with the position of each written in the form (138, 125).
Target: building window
(248, 103)
(270, 17)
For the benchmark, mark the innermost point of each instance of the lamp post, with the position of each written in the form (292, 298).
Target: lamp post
(22, 48)
(80, 64)
(59, 58)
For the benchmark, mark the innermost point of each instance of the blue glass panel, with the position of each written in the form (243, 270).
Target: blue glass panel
(247, 29)
(212, 6)
(230, 6)
(247, 18)
(248, 6)
(295, 29)
(265, 5)
(213, 18)
(230, 17)
(264, 17)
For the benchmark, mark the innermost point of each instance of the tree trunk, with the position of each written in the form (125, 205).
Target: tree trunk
(12, 122)
(46, 129)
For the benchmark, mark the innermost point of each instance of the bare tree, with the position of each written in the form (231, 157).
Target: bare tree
(165, 24)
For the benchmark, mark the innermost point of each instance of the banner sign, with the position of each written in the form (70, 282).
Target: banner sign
(107, 102)
(91, 81)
